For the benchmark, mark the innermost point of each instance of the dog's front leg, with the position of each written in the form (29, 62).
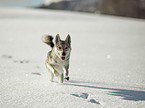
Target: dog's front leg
(50, 71)
(66, 73)
(61, 78)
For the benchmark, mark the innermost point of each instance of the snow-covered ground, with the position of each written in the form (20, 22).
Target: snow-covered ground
(107, 66)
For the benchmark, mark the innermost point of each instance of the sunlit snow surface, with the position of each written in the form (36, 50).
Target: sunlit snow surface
(107, 66)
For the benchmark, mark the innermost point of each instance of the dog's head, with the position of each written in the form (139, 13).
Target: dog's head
(62, 47)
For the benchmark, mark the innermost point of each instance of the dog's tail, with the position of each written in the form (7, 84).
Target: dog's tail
(48, 39)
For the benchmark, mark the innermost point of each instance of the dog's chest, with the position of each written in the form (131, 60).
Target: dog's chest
(60, 67)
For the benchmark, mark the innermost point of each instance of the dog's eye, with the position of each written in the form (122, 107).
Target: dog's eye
(66, 47)
(59, 48)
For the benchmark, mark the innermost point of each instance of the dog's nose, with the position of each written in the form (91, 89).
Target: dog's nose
(63, 54)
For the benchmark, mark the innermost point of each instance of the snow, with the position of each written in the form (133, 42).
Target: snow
(106, 66)
(48, 2)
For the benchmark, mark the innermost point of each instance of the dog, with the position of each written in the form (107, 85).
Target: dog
(57, 62)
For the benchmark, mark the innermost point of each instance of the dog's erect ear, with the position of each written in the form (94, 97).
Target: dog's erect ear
(57, 38)
(68, 39)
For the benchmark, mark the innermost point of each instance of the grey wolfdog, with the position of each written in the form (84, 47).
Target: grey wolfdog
(57, 61)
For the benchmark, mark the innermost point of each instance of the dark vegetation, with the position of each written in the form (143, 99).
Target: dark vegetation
(129, 8)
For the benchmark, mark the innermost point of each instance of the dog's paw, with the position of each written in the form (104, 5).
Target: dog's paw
(66, 77)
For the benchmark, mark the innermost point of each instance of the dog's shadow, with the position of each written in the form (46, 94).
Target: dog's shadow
(125, 94)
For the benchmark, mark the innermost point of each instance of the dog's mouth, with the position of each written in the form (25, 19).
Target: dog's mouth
(63, 58)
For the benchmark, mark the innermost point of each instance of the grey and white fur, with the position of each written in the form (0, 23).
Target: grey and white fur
(57, 62)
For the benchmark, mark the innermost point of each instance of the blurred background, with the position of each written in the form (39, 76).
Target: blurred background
(128, 8)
